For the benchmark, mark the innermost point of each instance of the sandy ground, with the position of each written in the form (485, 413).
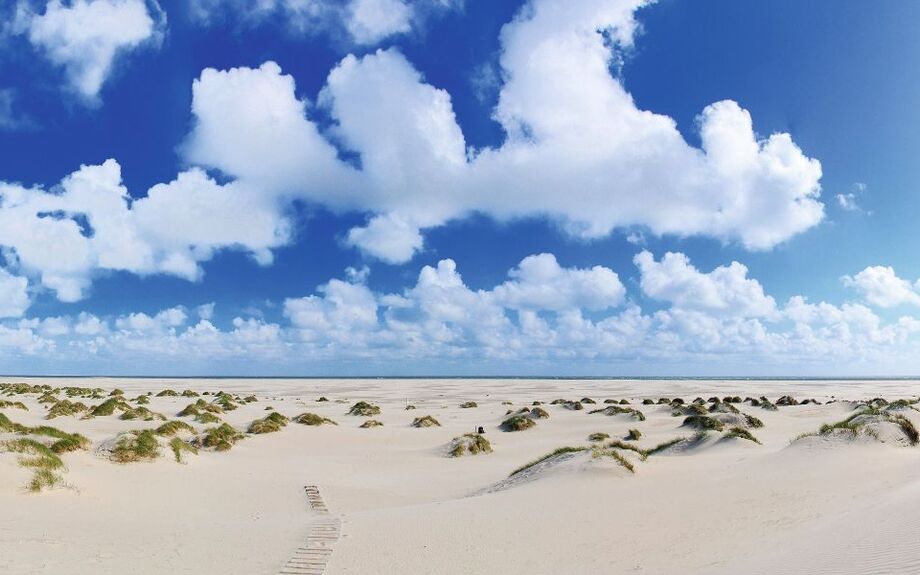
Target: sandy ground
(727, 506)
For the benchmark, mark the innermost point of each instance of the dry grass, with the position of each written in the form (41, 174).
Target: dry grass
(471, 443)
(313, 419)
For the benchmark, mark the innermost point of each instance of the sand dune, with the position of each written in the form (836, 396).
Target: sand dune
(693, 496)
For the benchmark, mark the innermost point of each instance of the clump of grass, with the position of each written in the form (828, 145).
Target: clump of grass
(116, 391)
(4, 404)
(599, 436)
(633, 435)
(648, 401)
(7, 425)
(225, 402)
(364, 409)
(703, 422)
(64, 442)
(323, 398)
(617, 410)
(723, 407)
(617, 444)
(665, 445)
(190, 393)
(554, 453)
(472, 443)
(907, 427)
(65, 408)
(44, 479)
(599, 452)
(409, 407)
(517, 423)
(742, 433)
(370, 423)
(220, 438)
(207, 417)
(425, 421)
(752, 421)
(587, 400)
(174, 427)
(48, 398)
(141, 400)
(538, 413)
(271, 423)
(312, 419)
(786, 400)
(178, 447)
(168, 393)
(109, 406)
(135, 446)
(141, 413)
(469, 404)
(573, 405)
(250, 399)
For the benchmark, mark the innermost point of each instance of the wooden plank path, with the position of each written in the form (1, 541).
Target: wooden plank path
(311, 558)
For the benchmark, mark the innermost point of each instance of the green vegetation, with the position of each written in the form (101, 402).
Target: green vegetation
(599, 452)
(538, 413)
(171, 428)
(752, 421)
(168, 393)
(271, 423)
(370, 423)
(64, 442)
(4, 404)
(517, 423)
(313, 419)
(141, 413)
(364, 409)
(179, 447)
(742, 433)
(43, 461)
(469, 404)
(65, 408)
(135, 446)
(109, 406)
(665, 445)
(220, 438)
(703, 422)
(190, 393)
(425, 421)
(472, 443)
(600, 436)
(633, 435)
(141, 400)
(207, 418)
(617, 444)
(617, 410)
(554, 453)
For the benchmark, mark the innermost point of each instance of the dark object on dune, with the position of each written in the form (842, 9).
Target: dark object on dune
(648, 402)
(786, 400)
(633, 435)
(480, 430)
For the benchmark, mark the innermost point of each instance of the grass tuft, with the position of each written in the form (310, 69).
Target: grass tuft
(364, 409)
(472, 443)
(425, 421)
(554, 453)
(313, 419)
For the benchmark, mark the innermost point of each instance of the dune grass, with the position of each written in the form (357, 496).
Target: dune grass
(220, 438)
(109, 406)
(664, 445)
(4, 404)
(538, 413)
(179, 446)
(63, 442)
(703, 422)
(40, 458)
(472, 443)
(66, 408)
(611, 410)
(633, 435)
(517, 423)
(133, 446)
(468, 404)
(313, 419)
(599, 436)
(554, 453)
(364, 409)
(206, 418)
(174, 427)
(741, 433)
(370, 423)
(617, 444)
(168, 393)
(141, 413)
(599, 452)
(271, 423)
(190, 393)
(425, 421)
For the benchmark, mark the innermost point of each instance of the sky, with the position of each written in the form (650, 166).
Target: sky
(459, 187)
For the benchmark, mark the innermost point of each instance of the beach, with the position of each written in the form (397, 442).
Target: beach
(778, 495)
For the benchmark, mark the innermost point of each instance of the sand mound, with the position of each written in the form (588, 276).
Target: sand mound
(866, 425)
(571, 460)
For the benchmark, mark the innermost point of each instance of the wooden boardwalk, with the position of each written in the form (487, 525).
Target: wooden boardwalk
(311, 558)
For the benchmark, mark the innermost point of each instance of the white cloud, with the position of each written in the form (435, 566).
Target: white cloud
(578, 149)
(86, 36)
(170, 231)
(725, 290)
(580, 322)
(850, 201)
(370, 21)
(880, 286)
(388, 238)
(14, 295)
(540, 283)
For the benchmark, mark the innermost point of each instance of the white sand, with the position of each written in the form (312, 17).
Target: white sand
(728, 507)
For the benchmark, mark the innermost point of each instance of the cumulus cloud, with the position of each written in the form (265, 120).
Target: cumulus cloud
(584, 320)
(63, 237)
(14, 295)
(725, 290)
(570, 126)
(85, 37)
(880, 286)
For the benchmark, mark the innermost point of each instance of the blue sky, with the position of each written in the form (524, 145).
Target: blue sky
(593, 187)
